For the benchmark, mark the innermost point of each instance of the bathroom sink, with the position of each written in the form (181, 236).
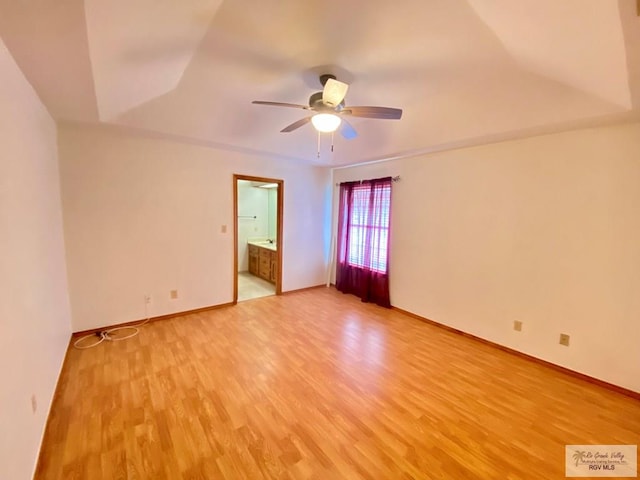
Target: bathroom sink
(265, 244)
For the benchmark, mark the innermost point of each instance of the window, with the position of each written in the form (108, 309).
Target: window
(364, 224)
(363, 240)
(369, 227)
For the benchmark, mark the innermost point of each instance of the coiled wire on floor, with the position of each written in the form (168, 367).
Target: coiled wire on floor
(109, 335)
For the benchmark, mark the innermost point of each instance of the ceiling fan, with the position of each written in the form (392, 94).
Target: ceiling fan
(329, 109)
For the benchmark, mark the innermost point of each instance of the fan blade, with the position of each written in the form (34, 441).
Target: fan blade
(347, 130)
(280, 104)
(334, 92)
(384, 113)
(295, 125)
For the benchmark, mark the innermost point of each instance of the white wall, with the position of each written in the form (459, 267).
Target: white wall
(144, 215)
(272, 202)
(544, 230)
(252, 202)
(34, 308)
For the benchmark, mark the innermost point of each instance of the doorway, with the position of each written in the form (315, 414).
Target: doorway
(258, 242)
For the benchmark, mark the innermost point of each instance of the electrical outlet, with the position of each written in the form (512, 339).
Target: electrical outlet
(517, 325)
(564, 339)
(173, 294)
(34, 403)
(147, 299)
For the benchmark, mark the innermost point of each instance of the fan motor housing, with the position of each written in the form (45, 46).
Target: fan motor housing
(316, 104)
(325, 77)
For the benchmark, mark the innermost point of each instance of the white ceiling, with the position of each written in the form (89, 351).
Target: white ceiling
(465, 72)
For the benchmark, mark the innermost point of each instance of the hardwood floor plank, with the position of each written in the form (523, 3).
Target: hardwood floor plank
(318, 385)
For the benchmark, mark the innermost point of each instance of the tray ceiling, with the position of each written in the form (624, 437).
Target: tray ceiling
(465, 72)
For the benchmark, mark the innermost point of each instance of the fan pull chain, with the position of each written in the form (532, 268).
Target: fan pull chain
(332, 133)
(318, 144)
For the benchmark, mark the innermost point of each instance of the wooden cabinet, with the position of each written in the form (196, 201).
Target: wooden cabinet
(263, 262)
(264, 270)
(274, 267)
(254, 259)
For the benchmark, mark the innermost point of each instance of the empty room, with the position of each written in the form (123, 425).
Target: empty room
(319, 239)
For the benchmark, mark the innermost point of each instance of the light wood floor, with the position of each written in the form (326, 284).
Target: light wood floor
(317, 385)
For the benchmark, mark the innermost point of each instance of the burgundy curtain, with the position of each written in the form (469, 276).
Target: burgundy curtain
(363, 240)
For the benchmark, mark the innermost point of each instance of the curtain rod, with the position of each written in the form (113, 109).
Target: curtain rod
(395, 179)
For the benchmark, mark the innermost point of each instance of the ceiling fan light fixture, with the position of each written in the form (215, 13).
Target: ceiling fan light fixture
(326, 122)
